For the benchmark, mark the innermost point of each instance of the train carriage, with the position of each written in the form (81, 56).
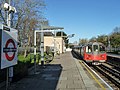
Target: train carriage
(94, 53)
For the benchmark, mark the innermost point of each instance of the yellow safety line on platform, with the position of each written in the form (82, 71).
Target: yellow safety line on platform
(93, 76)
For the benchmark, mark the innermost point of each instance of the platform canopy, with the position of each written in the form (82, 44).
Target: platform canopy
(52, 28)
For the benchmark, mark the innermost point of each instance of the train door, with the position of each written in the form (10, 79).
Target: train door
(95, 48)
(88, 53)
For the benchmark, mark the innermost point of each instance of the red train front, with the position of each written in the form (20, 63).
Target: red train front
(94, 53)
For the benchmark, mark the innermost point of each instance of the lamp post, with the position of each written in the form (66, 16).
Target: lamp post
(109, 43)
(69, 36)
(10, 10)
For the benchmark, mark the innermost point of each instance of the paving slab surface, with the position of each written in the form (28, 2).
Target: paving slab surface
(63, 73)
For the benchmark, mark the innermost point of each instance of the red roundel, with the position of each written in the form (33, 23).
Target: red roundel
(10, 58)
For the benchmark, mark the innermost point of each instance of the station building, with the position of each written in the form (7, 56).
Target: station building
(55, 44)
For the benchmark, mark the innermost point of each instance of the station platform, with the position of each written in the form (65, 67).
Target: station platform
(63, 73)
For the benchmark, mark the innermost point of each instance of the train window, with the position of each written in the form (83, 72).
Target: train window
(95, 48)
(88, 49)
(102, 48)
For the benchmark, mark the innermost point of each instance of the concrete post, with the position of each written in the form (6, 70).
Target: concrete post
(10, 69)
(42, 47)
(34, 51)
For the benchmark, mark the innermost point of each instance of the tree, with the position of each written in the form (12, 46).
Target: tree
(103, 39)
(83, 41)
(115, 38)
(28, 17)
(93, 39)
(29, 13)
(116, 30)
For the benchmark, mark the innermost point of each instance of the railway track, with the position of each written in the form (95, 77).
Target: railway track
(111, 76)
(109, 72)
(114, 59)
(117, 67)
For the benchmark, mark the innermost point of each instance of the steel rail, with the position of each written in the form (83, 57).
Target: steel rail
(108, 75)
(111, 70)
(99, 77)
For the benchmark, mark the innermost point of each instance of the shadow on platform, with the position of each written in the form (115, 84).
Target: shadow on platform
(46, 78)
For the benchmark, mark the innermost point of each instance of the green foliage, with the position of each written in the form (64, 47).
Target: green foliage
(24, 63)
(93, 39)
(83, 41)
(103, 39)
(115, 39)
(29, 58)
(22, 59)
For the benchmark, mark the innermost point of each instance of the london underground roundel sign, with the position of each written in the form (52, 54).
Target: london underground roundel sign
(8, 44)
(7, 49)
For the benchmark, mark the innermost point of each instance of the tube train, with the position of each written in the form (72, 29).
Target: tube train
(94, 53)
